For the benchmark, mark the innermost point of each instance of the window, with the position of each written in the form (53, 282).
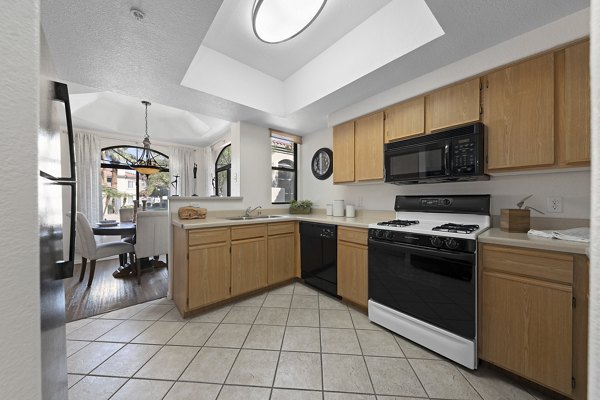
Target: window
(121, 185)
(222, 178)
(283, 170)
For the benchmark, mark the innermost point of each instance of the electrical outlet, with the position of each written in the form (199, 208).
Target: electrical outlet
(554, 204)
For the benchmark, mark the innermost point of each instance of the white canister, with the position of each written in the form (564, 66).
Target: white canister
(350, 211)
(338, 208)
(329, 209)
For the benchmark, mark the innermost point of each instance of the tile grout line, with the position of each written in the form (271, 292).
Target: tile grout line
(363, 356)
(127, 379)
(281, 345)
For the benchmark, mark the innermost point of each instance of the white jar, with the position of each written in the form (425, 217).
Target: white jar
(350, 211)
(338, 208)
(329, 209)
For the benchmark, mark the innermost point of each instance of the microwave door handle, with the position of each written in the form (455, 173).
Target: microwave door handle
(447, 158)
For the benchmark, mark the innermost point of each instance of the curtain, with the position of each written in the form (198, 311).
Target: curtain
(87, 167)
(181, 162)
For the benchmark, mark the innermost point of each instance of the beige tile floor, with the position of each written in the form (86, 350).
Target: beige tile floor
(291, 343)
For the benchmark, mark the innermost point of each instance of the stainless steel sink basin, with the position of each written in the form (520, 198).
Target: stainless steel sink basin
(244, 218)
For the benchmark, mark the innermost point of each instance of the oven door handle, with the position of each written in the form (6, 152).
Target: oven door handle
(457, 255)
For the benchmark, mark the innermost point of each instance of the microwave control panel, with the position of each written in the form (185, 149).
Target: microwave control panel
(465, 159)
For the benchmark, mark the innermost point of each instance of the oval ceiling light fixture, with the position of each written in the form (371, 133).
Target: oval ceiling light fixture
(276, 21)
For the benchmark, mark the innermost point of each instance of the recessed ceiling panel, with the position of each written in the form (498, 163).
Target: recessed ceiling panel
(114, 113)
(388, 34)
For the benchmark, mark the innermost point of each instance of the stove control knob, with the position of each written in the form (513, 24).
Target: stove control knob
(379, 233)
(451, 244)
(389, 235)
(436, 241)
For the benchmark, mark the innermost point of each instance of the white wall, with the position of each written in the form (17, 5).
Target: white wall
(506, 191)
(594, 314)
(20, 369)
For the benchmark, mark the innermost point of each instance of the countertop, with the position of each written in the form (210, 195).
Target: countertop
(497, 236)
(357, 222)
(492, 235)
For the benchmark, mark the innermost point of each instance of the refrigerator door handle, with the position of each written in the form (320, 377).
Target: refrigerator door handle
(61, 93)
(65, 268)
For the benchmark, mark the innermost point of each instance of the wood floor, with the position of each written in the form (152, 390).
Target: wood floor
(108, 293)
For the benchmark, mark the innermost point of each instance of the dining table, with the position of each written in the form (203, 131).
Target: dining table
(123, 229)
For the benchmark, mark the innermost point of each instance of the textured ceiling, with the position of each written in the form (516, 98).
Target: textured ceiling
(101, 46)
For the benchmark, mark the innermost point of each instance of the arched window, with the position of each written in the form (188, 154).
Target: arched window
(121, 185)
(223, 172)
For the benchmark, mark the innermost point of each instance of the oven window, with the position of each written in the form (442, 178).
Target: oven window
(431, 286)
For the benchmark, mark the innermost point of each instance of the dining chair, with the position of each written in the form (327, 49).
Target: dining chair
(90, 250)
(151, 236)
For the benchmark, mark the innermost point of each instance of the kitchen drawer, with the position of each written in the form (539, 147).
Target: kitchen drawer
(207, 236)
(545, 265)
(353, 235)
(281, 227)
(248, 231)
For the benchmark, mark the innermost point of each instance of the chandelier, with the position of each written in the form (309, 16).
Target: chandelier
(146, 164)
(276, 21)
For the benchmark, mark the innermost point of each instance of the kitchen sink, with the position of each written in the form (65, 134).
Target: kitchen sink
(244, 218)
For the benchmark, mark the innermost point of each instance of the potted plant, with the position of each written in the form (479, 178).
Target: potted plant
(300, 206)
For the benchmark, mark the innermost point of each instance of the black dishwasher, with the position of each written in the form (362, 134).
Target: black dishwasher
(318, 243)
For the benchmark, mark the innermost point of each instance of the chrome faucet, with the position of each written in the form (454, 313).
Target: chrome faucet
(249, 210)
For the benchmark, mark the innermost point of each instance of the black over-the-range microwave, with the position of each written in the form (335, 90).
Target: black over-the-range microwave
(456, 154)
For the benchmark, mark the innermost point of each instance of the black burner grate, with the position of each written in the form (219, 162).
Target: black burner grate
(398, 223)
(456, 228)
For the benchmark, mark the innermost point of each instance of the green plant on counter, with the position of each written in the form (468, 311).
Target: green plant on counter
(300, 206)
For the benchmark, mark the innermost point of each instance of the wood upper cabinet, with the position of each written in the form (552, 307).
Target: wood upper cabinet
(248, 258)
(352, 265)
(343, 152)
(281, 252)
(201, 267)
(405, 120)
(574, 107)
(518, 112)
(453, 105)
(368, 147)
(526, 315)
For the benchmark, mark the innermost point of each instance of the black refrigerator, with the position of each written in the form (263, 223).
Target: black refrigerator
(56, 210)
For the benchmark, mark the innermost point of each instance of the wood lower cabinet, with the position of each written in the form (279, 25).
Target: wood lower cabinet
(201, 267)
(248, 258)
(527, 320)
(405, 120)
(453, 105)
(343, 152)
(352, 265)
(519, 115)
(281, 251)
(368, 147)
